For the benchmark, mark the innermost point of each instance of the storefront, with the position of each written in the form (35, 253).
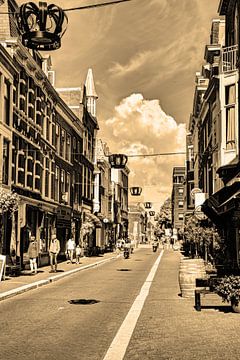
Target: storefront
(223, 208)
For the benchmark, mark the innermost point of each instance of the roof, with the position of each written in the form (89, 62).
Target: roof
(89, 83)
(223, 6)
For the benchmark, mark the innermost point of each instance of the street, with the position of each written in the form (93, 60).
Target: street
(43, 324)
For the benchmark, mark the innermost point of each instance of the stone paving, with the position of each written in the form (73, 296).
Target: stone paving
(170, 328)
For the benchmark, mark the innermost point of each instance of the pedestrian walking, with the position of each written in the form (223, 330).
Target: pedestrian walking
(70, 249)
(53, 252)
(78, 253)
(33, 254)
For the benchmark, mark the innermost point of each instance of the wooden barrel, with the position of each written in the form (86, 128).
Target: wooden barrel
(189, 271)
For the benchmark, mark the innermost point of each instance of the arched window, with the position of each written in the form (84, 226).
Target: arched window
(236, 25)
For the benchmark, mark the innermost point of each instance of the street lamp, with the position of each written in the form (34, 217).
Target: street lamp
(41, 26)
(148, 205)
(151, 213)
(135, 191)
(118, 161)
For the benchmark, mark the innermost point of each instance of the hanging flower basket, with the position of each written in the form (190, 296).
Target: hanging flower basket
(8, 201)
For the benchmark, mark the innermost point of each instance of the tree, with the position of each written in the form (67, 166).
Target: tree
(164, 217)
(203, 239)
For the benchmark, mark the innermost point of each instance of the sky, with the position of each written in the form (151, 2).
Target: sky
(144, 55)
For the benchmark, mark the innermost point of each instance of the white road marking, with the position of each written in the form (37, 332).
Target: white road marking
(120, 343)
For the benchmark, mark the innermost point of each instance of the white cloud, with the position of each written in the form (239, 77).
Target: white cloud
(134, 64)
(140, 126)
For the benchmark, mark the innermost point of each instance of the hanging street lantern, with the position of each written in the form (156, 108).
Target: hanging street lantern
(147, 205)
(135, 191)
(118, 161)
(41, 26)
(151, 213)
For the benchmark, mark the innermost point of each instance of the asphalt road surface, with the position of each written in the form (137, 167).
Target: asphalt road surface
(50, 324)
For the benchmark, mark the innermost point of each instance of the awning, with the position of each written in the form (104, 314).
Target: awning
(94, 219)
(222, 202)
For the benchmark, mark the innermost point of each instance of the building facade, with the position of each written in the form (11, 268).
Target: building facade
(47, 148)
(178, 179)
(215, 130)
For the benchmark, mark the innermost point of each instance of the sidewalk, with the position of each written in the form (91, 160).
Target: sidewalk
(12, 286)
(169, 327)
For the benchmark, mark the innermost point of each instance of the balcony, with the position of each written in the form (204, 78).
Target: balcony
(229, 58)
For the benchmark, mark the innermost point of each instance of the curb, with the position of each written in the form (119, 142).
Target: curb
(69, 272)
(22, 289)
(37, 284)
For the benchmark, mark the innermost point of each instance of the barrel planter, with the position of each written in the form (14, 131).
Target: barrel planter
(189, 271)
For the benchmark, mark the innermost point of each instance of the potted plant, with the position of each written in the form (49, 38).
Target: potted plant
(229, 289)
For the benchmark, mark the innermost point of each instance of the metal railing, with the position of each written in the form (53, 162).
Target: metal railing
(229, 58)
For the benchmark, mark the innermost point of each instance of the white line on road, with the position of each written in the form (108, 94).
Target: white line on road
(120, 343)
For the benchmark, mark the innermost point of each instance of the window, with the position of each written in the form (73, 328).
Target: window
(57, 183)
(62, 184)
(5, 162)
(180, 191)
(52, 179)
(230, 94)
(67, 189)
(68, 148)
(57, 139)
(180, 204)
(38, 171)
(180, 216)
(47, 173)
(63, 143)
(6, 104)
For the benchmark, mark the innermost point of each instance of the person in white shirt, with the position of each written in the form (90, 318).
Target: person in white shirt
(70, 249)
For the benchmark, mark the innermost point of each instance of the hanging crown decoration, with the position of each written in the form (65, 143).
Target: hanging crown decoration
(41, 27)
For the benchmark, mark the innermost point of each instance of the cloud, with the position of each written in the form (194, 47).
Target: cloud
(134, 64)
(141, 127)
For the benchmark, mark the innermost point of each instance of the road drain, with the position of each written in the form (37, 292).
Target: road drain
(83, 301)
(138, 260)
(124, 269)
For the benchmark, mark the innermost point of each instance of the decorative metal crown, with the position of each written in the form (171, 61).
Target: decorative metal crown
(41, 26)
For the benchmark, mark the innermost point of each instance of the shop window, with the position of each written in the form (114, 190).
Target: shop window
(230, 93)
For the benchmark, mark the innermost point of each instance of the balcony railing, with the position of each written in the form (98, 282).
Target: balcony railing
(229, 58)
